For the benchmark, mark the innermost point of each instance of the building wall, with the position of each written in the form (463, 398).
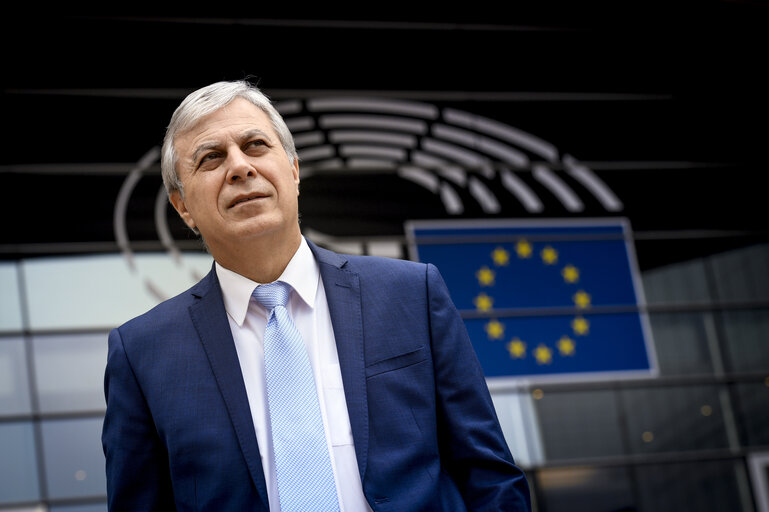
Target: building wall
(682, 440)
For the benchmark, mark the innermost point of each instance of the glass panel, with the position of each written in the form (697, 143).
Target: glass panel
(10, 306)
(758, 468)
(743, 274)
(104, 291)
(584, 488)
(702, 486)
(746, 333)
(14, 383)
(517, 417)
(678, 283)
(680, 341)
(18, 464)
(70, 371)
(579, 424)
(74, 461)
(751, 404)
(674, 419)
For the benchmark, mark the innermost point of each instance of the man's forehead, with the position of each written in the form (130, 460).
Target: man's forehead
(227, 122)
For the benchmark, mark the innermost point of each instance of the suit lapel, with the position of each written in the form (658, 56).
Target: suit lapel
(344, 302)
(210, 320)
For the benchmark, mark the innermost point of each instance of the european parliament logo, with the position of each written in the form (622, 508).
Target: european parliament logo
(550, 298)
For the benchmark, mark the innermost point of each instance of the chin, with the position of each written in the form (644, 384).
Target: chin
(257, 227)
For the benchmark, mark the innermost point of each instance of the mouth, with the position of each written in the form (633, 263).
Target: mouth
(246, 198)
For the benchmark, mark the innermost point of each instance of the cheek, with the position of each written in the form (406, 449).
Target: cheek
(204, 193)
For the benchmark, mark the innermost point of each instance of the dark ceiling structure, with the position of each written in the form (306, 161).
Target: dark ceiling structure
(662, 106)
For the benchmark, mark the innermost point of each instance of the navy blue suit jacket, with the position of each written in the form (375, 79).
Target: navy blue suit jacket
(178, 433)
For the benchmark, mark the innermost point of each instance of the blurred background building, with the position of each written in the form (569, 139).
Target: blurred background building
(652, 117)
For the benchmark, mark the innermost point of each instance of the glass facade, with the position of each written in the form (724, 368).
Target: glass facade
(680, 440)
(55, 316)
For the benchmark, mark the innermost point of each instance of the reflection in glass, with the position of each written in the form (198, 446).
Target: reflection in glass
(14, 383)
(102, 291)
(745, 343)
(10, 306)
(69, 369)
(751, 404)
(678, 283)
(674, 419)
(74, 461)
(701, 486)
(681, 343)
(743, 274)
(18, 464)
(579, 424)
(585, 488)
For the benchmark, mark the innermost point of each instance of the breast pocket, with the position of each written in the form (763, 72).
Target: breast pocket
(396, 362)
(336, 407)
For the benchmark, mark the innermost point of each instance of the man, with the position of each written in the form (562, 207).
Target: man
(405, 420)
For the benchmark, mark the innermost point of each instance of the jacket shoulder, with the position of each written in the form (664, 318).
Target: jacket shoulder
(388, 271)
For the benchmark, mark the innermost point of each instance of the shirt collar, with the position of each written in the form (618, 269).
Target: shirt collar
(302, 273)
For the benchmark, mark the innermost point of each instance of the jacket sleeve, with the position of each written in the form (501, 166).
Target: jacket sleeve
(136, 460)
(473, 447)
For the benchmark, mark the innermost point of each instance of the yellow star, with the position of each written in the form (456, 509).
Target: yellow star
(485, 276)
(495, 329)
(500, 257)
(517, 348)
(570, 274)
(542, 354)
(566, 346)
(524, 249)
(549, 255)
(580, 325)
(483, 302)
(582, 299)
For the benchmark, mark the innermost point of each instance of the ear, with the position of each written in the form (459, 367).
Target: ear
(295, 173)
(181, 208)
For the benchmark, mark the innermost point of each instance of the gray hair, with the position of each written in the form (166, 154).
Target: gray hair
(205, 101)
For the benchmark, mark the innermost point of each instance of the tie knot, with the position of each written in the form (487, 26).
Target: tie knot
(272, 294)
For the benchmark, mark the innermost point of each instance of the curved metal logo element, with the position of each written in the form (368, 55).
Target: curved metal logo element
(161, 225)
(440, 149)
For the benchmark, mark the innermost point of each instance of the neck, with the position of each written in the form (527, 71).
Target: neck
(262, 260)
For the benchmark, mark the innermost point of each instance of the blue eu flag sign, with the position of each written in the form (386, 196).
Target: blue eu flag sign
(551, 298)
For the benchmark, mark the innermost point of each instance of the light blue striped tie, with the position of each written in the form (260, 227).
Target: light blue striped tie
(302, 463)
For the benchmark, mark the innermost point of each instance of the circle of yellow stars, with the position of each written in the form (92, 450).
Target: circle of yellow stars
(495, 330)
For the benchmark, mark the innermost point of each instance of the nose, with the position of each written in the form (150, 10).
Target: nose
(239, 167)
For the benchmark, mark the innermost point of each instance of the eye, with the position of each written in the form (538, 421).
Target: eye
(207, 159)
(255, 145)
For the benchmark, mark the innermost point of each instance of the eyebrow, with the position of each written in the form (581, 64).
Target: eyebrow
(249, 134)
(202, 149)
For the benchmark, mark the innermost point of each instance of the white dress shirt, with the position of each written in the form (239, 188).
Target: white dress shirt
(309, 310)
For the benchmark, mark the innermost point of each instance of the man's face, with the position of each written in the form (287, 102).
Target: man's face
(238, 180)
